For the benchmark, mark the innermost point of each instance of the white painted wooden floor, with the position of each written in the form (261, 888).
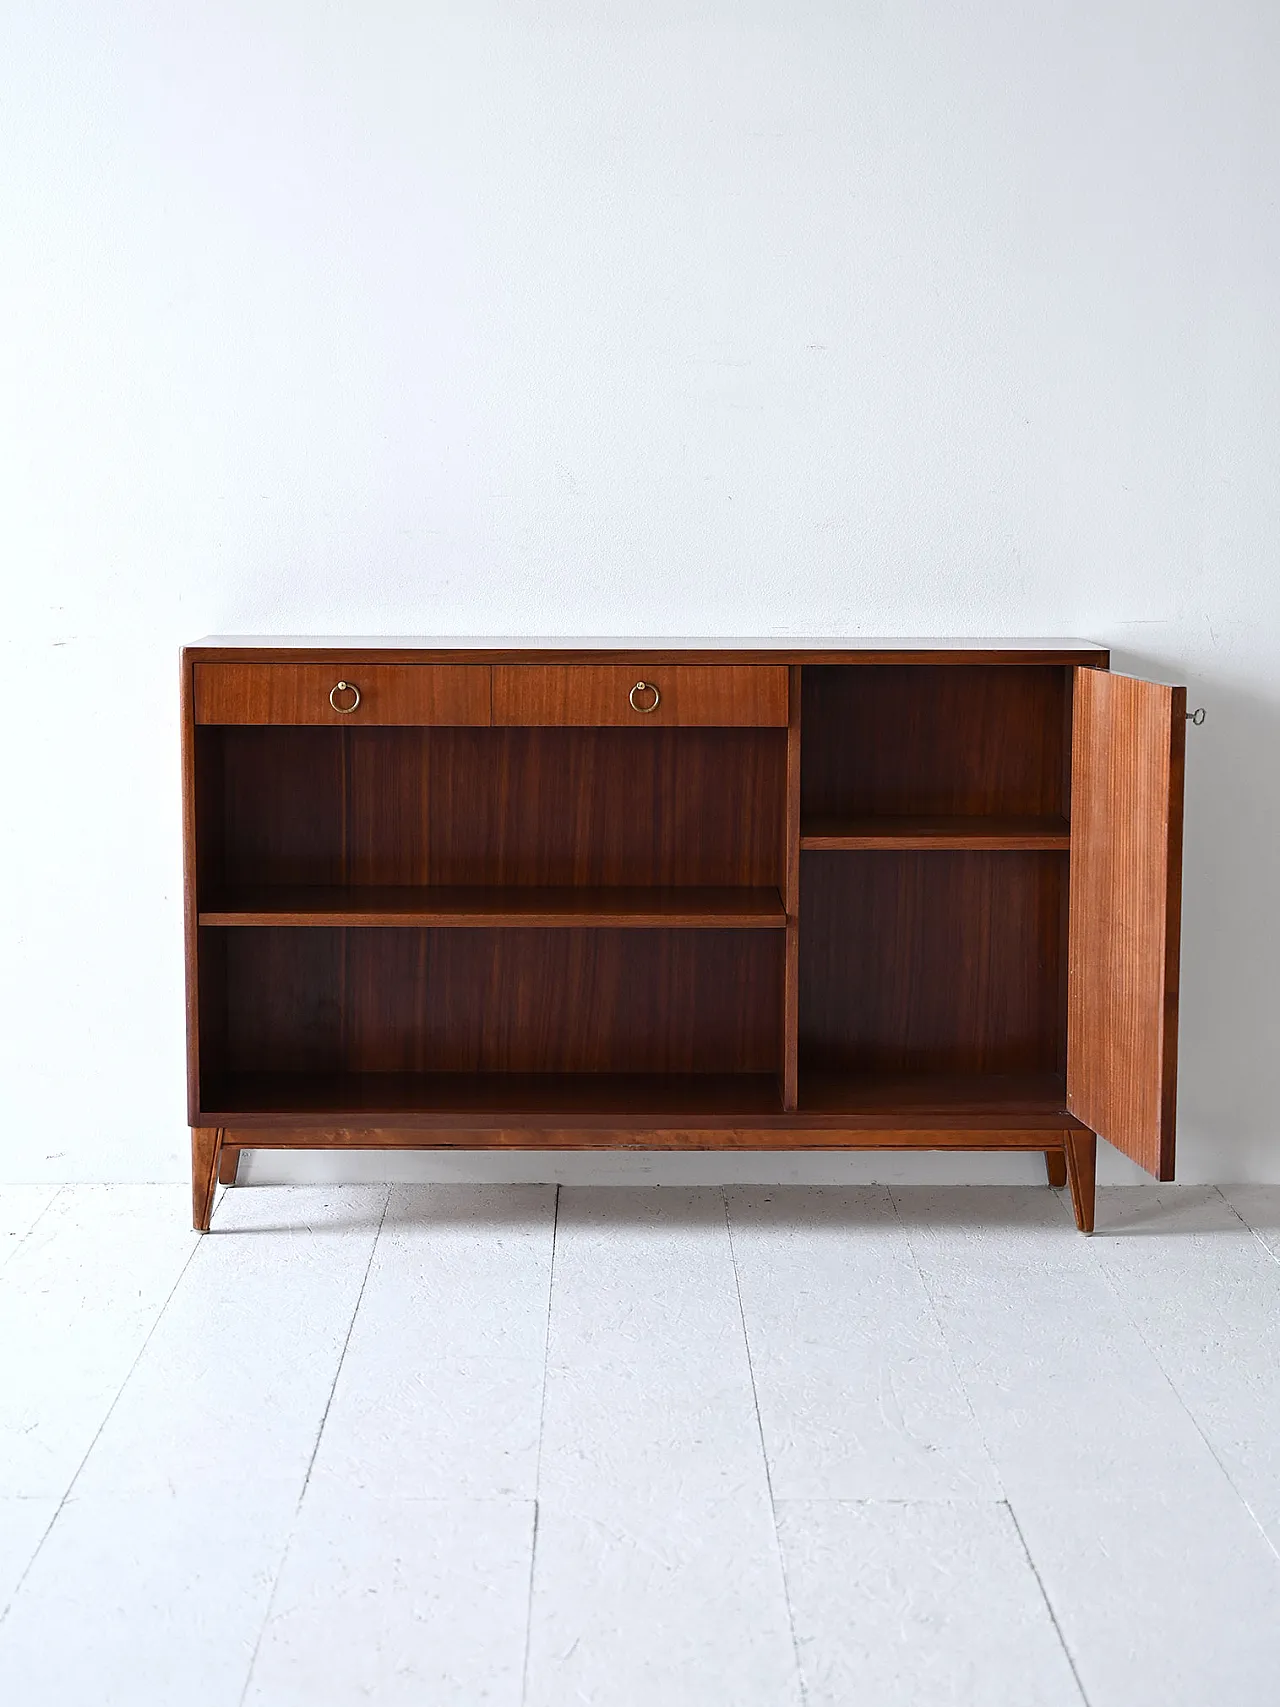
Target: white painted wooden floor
(759, 1447)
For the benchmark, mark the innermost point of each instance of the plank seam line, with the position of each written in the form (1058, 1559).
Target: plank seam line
(4, 1610)
(764, 1456)
(537, 1473)
(306, 1480)
(9, 1255)
(1048, 1604)
(962, 1388)
(1253, 1232)
(1131, 1317)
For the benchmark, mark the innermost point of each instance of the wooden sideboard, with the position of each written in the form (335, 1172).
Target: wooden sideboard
(665, 896)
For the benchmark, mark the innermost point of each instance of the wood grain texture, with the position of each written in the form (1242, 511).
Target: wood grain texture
(1055, 1167)
(529, 1000)
(1126, 882)
(1082, 1165)
(596, 695)
(933, 740)
(228, 1164)
(299, 693)
(206, 1142)
(932, 962)
(543, 807)
(851, 835)
(1012, 1096)
(754, 1134)
(465, 907)
(974, 1106)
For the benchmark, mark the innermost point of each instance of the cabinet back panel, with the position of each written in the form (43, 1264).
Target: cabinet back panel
(385, 1001)
(492, 806)
(934, 739)
(932, 962)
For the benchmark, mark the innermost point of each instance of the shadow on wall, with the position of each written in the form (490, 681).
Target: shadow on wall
(1229, 1037)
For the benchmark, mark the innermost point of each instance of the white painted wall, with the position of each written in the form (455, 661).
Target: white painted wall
(636, 316)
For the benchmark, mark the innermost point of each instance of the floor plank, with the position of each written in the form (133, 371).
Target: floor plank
(676, 1602)
(657, 1575)
(1168, 1599)
(1205, 1295)
(649, 1397)
(145, 1600)
(926, 1604)
(77, 1302)
(1066, 1393)
(400, 1602)
(858, 1394)
(234, 1384)
(440, 1395)
(155, 1578)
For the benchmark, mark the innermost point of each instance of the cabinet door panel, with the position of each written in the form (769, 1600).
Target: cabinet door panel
(1127, 748)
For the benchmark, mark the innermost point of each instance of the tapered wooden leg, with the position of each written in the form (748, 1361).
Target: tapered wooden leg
(206, 1142)
(1082, 1163)
(228, 1164)
(1055, 1165)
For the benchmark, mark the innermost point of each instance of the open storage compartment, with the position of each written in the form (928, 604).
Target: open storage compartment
(933, 979)
(933, 887)
(389, 1019)
(284, 810)
(410, 920)
(915, 755)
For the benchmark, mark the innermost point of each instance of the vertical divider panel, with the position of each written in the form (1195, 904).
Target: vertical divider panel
(190, 899)
(791, 900)
(346, 832)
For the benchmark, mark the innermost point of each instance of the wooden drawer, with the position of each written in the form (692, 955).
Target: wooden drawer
(609, 695)
(455, 694)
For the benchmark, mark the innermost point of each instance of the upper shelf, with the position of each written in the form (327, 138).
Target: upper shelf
(860, 834)
(477, 906)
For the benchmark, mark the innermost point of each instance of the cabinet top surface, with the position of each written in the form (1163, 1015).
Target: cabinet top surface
(777, 648)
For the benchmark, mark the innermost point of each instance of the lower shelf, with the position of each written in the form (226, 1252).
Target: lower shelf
(745, 1108)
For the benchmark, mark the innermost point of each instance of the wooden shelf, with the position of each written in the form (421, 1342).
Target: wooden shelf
(669, 1108)
(846, 835)
(478, 906)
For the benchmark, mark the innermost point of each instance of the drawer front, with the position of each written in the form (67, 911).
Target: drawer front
(451, 694)
(640, 695)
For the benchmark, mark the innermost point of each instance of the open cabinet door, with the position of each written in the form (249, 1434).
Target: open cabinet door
(1127, 744)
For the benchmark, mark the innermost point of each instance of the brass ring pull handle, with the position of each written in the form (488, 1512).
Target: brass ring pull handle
(645, 687)
(344, 687)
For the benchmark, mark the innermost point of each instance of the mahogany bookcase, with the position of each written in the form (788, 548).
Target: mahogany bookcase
(680, 896)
